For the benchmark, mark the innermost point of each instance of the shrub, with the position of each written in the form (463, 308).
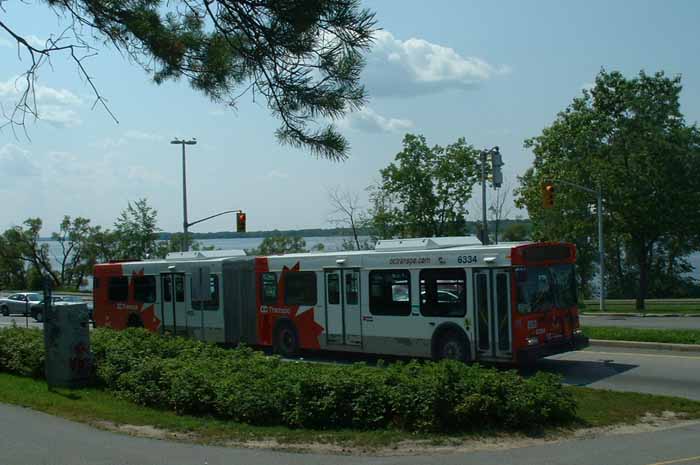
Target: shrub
(22, 351)
(246, 386)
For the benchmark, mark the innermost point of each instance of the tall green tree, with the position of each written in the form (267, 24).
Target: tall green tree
(22, 243)
(629, 136)
(304, 57)
(423, 193)
(279, 245)
(137, 231)
(74, 237)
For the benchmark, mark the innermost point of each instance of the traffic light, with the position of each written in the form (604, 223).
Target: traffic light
(496, 163)
(548, 195)
(240, 222)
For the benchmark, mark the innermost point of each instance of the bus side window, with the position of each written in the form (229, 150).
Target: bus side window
(269, 288)
(167, 288)
(390, 292)
(144, 288)
(118, 290)
(300, 288)
(179, 288)
(443, 292)
(213, 302)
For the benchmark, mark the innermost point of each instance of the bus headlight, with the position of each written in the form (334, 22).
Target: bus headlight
(533, 341)
(578, 332)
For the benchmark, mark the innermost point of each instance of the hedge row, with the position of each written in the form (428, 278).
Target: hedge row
(247, 386)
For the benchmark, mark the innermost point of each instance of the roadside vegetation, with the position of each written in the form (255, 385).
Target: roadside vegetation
(217, 395)
(673, 336)
(680, 306)
(242, 385)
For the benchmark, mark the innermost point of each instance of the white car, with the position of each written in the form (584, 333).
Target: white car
(19, 304)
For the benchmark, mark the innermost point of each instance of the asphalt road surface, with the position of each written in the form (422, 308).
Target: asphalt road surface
(654, 372)
(31, 438)
(20, 321)
(660, 322)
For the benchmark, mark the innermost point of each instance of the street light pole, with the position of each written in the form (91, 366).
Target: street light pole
(601, 246)
(185, 247)
(484, 224)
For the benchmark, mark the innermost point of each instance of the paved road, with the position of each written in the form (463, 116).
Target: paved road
(31, 438)
(653, 372)
(20, 321)
(643, 322)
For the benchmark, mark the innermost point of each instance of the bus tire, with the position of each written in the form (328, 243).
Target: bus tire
(285, 340)
(134, 321)
(451, 343)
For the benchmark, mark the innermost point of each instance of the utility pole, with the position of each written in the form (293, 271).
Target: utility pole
(484, 224)
(598, 192)
(185, 246)
(496, 163)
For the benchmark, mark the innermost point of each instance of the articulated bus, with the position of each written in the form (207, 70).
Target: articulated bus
(432, 297)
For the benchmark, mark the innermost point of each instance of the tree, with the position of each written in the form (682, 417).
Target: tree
(21, 243)
(515, 232)
(304, 57)
(137, 232)
(73, 238)
(279, 245)
(348, 213)
(629, 137)
(424, 192)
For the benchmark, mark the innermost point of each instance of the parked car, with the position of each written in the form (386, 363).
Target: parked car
(19, 303)
(37, 310)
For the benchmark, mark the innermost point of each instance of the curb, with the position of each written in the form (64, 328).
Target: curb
(646, 345)
(643, 315)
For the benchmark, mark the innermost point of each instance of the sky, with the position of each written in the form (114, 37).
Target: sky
(495, 73)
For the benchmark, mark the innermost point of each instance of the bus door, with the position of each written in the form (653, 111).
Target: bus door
(343, 316)
(173, 306)
(493, 313)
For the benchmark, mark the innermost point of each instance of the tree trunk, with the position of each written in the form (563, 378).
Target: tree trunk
(642, 260)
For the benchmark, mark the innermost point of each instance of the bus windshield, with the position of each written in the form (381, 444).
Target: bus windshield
(542, 288)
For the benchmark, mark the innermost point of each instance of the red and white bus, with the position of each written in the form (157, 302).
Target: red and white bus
(433, 297)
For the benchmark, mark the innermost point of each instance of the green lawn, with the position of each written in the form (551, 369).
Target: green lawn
(596, 408)
(652, 306)
(675, 336)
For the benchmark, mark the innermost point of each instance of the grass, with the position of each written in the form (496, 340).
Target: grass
(681, 306)
(604, 408)
(675, 336)
(596, 408)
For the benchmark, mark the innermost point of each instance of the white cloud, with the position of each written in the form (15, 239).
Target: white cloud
(143, 136)
(416, 66)
(5, 43)
(368, 120)
(54, 106)
(35, 41)
(59, 117)
(277, 174)
(16, 162)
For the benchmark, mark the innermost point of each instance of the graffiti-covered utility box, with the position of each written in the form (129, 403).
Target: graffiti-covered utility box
(67, 341)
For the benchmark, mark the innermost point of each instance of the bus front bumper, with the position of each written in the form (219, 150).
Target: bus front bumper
(577, 342)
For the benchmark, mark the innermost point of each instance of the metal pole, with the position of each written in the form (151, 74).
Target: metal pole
(185, 246)
(601, 248)
(485, 230)
(201, 304)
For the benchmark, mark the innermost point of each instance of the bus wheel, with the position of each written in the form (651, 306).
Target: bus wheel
(134, 321)
(286, 339)
(452, 346)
